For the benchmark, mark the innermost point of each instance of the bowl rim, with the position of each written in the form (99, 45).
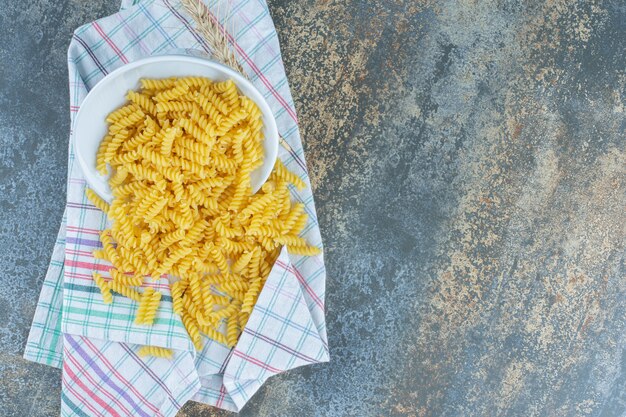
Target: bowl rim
(269, 120)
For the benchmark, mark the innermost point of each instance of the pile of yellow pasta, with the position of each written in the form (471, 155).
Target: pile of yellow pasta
(181, 153)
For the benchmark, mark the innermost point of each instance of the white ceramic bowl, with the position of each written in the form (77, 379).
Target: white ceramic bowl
(110, 93)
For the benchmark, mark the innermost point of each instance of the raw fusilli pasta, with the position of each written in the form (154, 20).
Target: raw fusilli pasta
(181, 154)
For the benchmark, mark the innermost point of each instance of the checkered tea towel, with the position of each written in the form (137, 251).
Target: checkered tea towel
(95, 343)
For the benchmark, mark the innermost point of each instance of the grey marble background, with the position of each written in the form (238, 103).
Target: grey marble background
(469, 165)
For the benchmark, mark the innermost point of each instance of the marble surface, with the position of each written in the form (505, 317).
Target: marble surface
(469, 165)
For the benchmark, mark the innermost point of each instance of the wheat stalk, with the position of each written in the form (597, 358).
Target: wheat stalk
(210, 30)
(216, 37)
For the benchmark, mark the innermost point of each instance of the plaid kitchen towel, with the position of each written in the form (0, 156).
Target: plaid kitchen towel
(95, 343)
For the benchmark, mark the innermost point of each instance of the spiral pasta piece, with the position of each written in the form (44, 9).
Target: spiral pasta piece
(104, 287)
(145, 303)
(168, 140)
(190, 155)
(190, 307)
(257, 204)
(254, 265)
(198, 197)
(304, 250)
(280, 171)
(191, 325)
(195, 233)
(172, 93)
(143, 101)
(174, 106)
(214, 334)
(170, 238)
(251, 295)
(189, 168)
(155, 209)
(125, 291)
(127, 121)
(107, 247)
(223, 163)
(234, 286)
(250, 108)
(101, 163)
(146, 202)
(266, 231)
(187, 216)
(209, 125)
(208, 100)
(268, 243)
(121, 112)
(242, 319)
(195, 289)
(157, 84)
(119, 177)
(223, 230)
(219, 259)
(229, 122)
(125, 190)
(181, 154)
(290, 240)
(142, 172)
(192, 82)
(126, 280)
(156, 351)
(177, 289)
(242, 262)
(194, 146)
(240, 196)
(175, 256)
(232, 331)
(196, 132)
(299, 224)
(229, 92)
(113, 145)
(152, 308)
(124, 158)
(96, 200)
(157, 158)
